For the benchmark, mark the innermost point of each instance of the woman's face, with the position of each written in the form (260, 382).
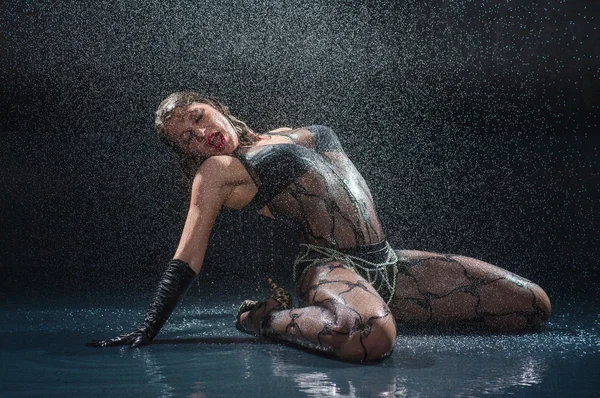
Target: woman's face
(201, 131)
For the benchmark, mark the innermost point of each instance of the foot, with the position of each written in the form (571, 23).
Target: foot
(242, 313)
(250, 313)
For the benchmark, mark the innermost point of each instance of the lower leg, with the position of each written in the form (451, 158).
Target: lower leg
(345, 317)
(250, 313)
(352, 338)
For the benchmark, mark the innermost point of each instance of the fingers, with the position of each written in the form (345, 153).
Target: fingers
(94, 343)
(132, 339)
(107, 343)
(98, 343)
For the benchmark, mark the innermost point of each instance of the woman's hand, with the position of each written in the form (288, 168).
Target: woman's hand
(134, 339)
(212, 185)
(173, 285)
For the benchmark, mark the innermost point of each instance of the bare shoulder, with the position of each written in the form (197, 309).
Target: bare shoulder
(281, 129)
(318, 137)
(221, 170)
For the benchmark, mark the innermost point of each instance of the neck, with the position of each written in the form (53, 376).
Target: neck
(255, 140)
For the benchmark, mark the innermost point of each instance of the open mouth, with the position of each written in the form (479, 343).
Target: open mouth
(216, 140)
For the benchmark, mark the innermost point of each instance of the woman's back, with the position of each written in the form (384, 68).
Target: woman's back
(312, 183)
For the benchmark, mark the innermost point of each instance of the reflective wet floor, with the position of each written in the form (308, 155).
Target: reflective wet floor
(201, 354)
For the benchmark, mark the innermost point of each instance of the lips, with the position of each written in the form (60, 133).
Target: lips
(216, 140)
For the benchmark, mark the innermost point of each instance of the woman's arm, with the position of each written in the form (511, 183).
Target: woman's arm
(210, 190)
(211, 187)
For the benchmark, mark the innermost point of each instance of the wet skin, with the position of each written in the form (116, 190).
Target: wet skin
(202, 131)
(341, 313)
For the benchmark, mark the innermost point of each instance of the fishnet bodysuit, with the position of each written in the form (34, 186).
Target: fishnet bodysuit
(311, 183)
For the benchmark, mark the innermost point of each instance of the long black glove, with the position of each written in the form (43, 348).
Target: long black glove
(173, 285)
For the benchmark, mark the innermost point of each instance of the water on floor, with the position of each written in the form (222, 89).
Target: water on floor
(199, 353)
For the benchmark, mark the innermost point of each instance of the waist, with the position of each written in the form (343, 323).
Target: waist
(374, 253)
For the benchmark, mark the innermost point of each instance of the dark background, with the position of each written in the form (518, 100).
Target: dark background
(474, 122)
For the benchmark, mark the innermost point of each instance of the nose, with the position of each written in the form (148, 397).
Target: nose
(200, 132)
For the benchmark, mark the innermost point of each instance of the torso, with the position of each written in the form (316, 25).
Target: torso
(303, 176)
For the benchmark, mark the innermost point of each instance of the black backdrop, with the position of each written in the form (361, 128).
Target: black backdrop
(473, 121)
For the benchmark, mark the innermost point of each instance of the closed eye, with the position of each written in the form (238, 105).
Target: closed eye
(190, 137)
(199, 116)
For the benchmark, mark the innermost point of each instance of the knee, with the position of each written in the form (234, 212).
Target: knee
(542, 302)
(541, 308)
(518, 309)
(381, 345)
(368, 341)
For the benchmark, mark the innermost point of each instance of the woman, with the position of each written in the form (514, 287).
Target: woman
(353, 287)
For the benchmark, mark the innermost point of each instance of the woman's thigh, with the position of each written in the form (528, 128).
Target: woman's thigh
(440, 290)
